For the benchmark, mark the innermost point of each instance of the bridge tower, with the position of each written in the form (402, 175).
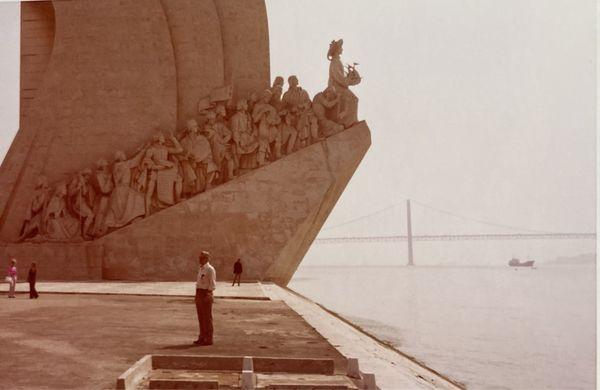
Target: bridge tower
(409, 233)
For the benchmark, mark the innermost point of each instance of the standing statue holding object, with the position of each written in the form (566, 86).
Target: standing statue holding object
(342, 79)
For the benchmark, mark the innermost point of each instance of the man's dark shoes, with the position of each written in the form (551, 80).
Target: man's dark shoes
(198, 342)
(206, 342)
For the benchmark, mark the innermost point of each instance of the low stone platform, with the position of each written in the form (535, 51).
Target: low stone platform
(181, 289)
(86, 341)
(236, 373)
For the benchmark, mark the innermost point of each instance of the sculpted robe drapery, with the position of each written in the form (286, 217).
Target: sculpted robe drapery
(197, 163)
(125, 202)
(241, 128)
(103, 184)
(245, 140)
(268, 120)
(59, 224)
(163, 172)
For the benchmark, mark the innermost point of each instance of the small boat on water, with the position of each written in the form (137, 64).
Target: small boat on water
(517, 263)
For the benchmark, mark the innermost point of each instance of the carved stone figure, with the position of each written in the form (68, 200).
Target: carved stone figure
(220, 136)
(342, 80)
(294, 96)
(81, 199)
(126, 203)
(324, 105)
(244, 136)
(102, 182)
(277, 90)
(269, 133)
(289, 133)
(162, 173)
(197, 163)
(252, 100)
(34, 219)
(308, 126)
(59, 225)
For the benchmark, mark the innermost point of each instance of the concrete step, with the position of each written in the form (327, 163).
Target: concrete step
(196, 384)
(304, 381)
(191, 379)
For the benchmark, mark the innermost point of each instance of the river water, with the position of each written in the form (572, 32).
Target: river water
(489, 327)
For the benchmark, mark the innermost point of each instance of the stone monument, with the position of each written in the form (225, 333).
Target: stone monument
(150, 131)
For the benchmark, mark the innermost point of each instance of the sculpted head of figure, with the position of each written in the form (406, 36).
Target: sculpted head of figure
(266, 96)
(61, 190)
(242, 105)
(159, 138)
(335, 49)
(277, 90)
(86, 173)
(278, 81)
(120, 156)
(211, 116)
(192, 126)
(330, 92)
(253, 97)
(102, 164)
(220, 111)
(293, 81)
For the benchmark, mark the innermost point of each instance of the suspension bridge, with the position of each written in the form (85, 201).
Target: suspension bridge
(409, 238)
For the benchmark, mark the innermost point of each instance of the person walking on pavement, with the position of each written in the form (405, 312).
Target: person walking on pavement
(12, 278)
(237, 272)
(31, 278)
(205, 285)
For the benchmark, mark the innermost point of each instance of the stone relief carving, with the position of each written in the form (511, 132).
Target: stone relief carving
(230, 140)
(34, 219)
(126, 202)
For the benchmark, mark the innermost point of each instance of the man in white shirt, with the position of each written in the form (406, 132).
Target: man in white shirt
(205, 285)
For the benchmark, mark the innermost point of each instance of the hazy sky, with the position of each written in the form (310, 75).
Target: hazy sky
(482, 108)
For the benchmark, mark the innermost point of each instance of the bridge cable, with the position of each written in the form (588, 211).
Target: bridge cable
(363, 217)
(515, 228)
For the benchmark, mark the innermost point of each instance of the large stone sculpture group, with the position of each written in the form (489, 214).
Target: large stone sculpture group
(225, 141)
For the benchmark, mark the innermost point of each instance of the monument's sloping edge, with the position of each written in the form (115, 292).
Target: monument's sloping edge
(343, 155)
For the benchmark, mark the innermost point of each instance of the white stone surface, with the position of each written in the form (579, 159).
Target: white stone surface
(223, 290)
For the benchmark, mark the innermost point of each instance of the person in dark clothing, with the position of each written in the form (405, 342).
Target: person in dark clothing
(31, 278)
(237, 272)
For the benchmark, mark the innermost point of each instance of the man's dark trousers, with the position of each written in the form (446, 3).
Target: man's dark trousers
(204, 301)
(32, 291)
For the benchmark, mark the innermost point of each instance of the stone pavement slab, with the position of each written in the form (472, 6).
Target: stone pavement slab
(223, 290)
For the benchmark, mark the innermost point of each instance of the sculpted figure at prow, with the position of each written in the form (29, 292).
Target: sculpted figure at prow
(342, 78)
